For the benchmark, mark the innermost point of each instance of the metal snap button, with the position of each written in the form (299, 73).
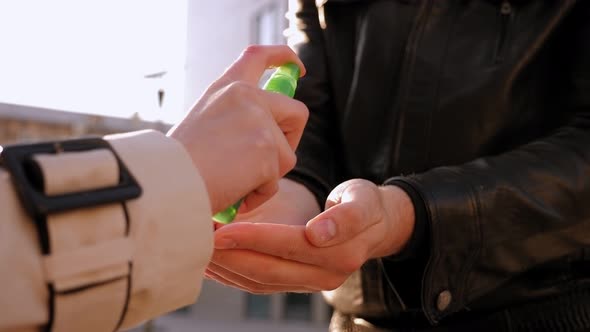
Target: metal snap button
(444, 300)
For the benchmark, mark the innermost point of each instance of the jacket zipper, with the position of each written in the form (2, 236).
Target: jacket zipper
(407, 69)
(505, 14)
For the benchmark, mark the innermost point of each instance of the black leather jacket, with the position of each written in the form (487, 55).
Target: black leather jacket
(483, 108)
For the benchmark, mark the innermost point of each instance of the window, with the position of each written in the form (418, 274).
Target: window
(267, 26)
(258, 306)
(297, 307)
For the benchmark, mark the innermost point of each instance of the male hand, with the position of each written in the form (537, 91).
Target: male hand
(240, 137)
(361, 221)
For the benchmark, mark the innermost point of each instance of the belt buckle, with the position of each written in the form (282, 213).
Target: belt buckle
(15, 158)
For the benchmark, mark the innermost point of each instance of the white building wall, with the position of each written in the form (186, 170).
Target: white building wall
(218, 31)
(94, 56)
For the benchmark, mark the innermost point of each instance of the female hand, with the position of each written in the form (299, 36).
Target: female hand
(241, 138)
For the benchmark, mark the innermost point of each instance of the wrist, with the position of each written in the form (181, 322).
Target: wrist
(399, 215)
(177, 134)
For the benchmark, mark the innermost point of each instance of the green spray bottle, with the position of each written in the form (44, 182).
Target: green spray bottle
(283, 81)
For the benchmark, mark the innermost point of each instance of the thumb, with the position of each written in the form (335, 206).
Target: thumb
(352, 207)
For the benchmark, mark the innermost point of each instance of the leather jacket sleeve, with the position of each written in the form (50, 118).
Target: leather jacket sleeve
(492, 219)
(109, 266)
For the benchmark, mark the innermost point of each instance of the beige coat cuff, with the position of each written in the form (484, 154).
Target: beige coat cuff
(169, 240)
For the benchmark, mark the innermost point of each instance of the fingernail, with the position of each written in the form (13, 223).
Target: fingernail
(323, 230)
(225, 243)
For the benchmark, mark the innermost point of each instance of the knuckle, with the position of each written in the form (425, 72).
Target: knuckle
(258, 113)
(238, 89)
(265, 141)
(290, 160)
(302, 111)
(267, 150)
(251, 114)
(293, 160)
(253, 50)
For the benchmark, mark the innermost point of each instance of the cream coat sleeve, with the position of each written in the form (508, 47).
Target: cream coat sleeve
(113, 266)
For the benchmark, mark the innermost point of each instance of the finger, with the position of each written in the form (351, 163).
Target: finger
(265, 269)
(291, 116)
(255, 59)
(335, 195)
(229, 278)
(286, 150)
(245, 286)
(289, 242)
(354, 207)
(275, 140)
(211, 274)
(225, 281)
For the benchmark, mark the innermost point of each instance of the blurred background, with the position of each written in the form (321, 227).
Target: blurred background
(74, 68)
